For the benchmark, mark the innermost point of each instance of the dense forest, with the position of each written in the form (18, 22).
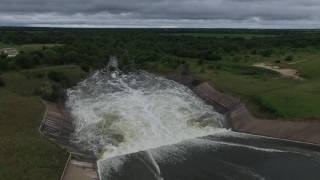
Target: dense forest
(91, 47)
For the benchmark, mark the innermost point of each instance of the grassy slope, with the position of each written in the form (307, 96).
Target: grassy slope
(284, 98)
(267, 95)
(24, 154)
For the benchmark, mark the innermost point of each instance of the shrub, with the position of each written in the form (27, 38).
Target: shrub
(236, 58)
(253, 52)
(51, 91)
(289, 58)
(266, 52)
(200, 61)
(85, 67)
(202, 69)
(4, 64)
(214, 67)
(2, 83)
(277, 61)
(214, 57)
(59, 77)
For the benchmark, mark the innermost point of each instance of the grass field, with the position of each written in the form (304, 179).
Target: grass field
(24, 153)
(221, 35)
(275, 96)
(27, 47)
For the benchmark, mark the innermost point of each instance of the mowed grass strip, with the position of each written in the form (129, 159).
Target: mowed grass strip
(24, 153)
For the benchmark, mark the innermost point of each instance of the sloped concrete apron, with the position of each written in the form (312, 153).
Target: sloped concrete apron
(57, 127)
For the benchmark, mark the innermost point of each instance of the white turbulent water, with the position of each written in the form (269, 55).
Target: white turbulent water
(120, 114)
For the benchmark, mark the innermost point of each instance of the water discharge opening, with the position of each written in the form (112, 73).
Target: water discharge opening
(117, 114)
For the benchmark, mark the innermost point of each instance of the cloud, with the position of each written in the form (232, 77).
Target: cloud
(162, 13)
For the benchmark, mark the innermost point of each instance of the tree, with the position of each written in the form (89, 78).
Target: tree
(59, 77)
(51, 57)
(71, 57)
(85, 67)
(289, 58)
(267, 52)
(25, 61)
(3, 62)
(51, 91)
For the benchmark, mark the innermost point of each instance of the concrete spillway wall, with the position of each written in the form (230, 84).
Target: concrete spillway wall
(57, 126)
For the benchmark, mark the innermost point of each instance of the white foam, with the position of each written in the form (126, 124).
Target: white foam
(135, 112)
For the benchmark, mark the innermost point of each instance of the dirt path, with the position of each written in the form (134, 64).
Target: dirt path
(289, 73)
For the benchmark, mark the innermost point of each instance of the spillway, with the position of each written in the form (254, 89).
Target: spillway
(144, 127)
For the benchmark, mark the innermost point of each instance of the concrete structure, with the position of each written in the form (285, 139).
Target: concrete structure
(221, 102)
(57, 126)
(79, 170)
(10, 52)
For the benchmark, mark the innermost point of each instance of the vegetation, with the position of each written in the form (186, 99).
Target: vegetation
(51, 60)
(2, 83)
(24, 153)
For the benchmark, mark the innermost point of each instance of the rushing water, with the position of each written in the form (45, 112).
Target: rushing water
(118, 114)
(145, 127)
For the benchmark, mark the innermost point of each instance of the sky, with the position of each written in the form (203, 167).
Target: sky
(298, 14)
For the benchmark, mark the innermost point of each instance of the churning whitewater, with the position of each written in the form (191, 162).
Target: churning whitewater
(117, 114)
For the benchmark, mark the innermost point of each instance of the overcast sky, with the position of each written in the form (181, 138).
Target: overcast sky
(162, 13)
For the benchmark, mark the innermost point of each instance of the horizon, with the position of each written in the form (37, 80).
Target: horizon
(162, 28)
(253, 14)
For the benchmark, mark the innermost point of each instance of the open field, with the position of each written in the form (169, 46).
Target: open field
(282, 97)
(28, 47)
(24, 153)
(226, 35)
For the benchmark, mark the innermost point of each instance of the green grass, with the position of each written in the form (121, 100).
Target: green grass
(272, 96)
(266, 94)
(298, 102)
(27, 81)
(247, 87)
(27, 47)
(24, 153)
(222, 35)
